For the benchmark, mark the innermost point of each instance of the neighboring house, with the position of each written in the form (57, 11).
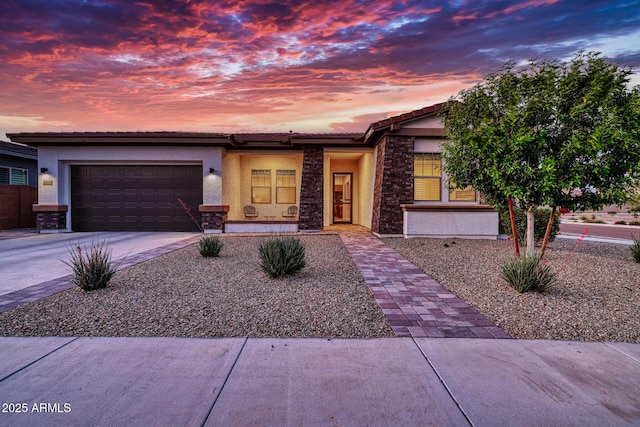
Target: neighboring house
(388, 179)
(18, 185)
(18, 164)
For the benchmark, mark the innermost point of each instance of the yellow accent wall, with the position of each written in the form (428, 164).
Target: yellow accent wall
(236, 187)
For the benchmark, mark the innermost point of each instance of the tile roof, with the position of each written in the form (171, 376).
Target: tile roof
(18, 150)
(413, 115)
(236, 140)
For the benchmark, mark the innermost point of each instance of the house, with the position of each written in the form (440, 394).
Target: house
(388, 179)
(18, 164)
(18, 185)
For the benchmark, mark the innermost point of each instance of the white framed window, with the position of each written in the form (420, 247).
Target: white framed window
(14, 176)
(286, 186)
(465, 194)
(427, 176)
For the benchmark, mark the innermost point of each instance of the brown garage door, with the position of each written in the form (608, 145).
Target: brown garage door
(134, 198)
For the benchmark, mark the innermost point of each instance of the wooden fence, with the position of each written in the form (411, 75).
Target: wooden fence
(16, 203)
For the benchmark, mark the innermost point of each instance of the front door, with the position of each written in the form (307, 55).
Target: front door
(342, 194)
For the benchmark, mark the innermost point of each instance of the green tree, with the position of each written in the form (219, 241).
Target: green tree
(562, 134)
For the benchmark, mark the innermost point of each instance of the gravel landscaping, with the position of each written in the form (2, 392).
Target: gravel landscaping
(597, 297)
(181, 294)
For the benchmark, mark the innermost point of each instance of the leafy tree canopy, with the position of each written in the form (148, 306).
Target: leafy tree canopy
(553, 133)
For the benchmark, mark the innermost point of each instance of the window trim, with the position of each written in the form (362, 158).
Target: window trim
(265, 177)
(290, 176)
(453, 189)
(428, 177)
(11, 169)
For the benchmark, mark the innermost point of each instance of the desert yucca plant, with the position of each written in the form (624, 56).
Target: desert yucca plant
(528, 274)
(210, 246)
(635, 249)
(282, 255)
(91, 267)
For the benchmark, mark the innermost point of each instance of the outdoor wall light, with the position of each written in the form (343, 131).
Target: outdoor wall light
(211, 170)
(44, 170)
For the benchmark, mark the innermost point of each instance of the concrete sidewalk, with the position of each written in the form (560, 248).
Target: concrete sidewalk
(317, 382)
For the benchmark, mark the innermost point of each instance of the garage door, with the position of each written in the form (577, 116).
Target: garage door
(134, 198)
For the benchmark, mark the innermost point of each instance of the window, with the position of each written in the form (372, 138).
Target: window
(427, 170)
(260, 186)
(286, 186)
(13, 176)
(465, 194)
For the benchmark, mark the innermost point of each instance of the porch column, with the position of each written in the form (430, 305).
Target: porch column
(394, 183)
(51, 218)
(213, 217)
(311, 189)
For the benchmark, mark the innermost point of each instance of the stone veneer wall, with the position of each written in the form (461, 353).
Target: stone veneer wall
(394, 183)
(51, 221)
(213, 217)
(213, 220)
(312, 189)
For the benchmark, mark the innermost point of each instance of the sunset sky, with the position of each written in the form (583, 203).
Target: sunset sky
(261, 66)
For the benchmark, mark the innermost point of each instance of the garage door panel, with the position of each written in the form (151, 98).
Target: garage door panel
(98, 184)
(166, 212)
(129, 198)
(165, 184)
(114, 184)
(169, 197)
(147, 198)
(134, 197)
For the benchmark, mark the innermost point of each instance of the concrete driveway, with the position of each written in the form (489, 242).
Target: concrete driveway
(37, 258)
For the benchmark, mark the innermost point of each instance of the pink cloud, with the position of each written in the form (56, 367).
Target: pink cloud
(258, 65)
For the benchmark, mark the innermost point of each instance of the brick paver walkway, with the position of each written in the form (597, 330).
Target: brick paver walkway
(50, 287)
(415, 304)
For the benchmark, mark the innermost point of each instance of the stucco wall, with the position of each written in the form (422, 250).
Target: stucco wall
(231, 185)
(18, 162)
(428, 122)
(366, 165)
(461, 224)
(242, 186)
(362, 165)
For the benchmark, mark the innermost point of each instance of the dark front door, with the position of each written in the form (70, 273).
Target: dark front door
(342, 196)
(135, 197)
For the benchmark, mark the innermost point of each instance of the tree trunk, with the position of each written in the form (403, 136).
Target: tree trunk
(531, 235)
(547, 233)
(514, 230)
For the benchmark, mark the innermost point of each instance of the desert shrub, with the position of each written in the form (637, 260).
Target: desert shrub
(527, 274)
(634, 222)
(540, 226)
(282, 255)
(635, 249)
(620, 222)
(210, 246)
(91, 267)
(591, 220)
